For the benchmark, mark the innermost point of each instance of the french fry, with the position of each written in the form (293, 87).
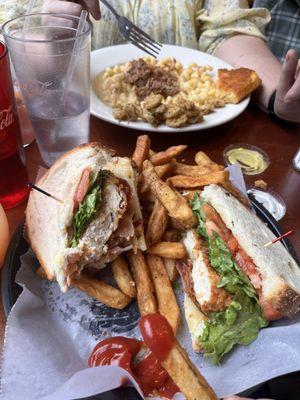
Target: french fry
(97, 289)
(168, 250)
(144, 287)
(160, 170)
(157, 224)
(192, 170)
(141, 151)
(172, 235)
(171, 269)
(163, 169)
(101, 291)
(166, 300)
(165, 156)
(122, 275)
(202, 159)
(175, 204)
(189, 182)
(186, 376)
(174, 224)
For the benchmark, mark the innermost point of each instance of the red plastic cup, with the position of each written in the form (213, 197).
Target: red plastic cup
(13, 174)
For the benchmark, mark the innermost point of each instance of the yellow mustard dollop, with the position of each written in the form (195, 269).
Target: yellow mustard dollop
(251, 161)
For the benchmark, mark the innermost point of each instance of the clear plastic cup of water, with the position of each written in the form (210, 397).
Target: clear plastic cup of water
(58, 107)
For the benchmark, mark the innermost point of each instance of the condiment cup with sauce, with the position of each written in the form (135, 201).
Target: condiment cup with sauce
(252, 159)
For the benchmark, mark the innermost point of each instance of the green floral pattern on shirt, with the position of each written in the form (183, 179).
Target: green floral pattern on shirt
(202, 24)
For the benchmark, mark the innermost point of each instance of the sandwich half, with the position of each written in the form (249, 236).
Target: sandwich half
(99, 217)
(233, 284)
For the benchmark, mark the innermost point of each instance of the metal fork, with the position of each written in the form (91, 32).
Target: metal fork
(134, 34)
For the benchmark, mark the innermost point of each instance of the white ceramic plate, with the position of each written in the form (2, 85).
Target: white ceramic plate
(110, 56)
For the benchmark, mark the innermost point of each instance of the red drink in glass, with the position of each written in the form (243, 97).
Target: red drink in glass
(13, 174)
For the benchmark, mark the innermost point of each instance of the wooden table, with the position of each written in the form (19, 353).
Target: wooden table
(279, 141)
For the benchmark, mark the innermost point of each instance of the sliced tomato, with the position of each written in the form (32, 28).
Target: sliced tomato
(82, 187)
(213, 227)
(233, 245)
(213, 216)
(225, 235)
(246, 264)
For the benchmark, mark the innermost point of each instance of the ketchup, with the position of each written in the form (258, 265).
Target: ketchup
(153, 378)
(157, 334)
(116, 351)
(149, 373)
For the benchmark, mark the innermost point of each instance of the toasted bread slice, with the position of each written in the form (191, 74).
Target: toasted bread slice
(280, 273)
(236, 84)
(195, 320)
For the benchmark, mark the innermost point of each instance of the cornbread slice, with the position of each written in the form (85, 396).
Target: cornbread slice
(236, 84)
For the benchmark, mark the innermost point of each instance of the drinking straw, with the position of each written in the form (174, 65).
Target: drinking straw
(77, 43)
(30, 6)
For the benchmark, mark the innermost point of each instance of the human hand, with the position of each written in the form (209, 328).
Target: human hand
(287, 100)
(72, 7)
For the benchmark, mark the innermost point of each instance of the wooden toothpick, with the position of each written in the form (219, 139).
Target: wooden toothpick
(279, 238)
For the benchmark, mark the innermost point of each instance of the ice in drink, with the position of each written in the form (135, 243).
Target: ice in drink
(59, 126)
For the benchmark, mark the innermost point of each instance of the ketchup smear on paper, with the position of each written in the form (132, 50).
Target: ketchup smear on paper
(149, 373)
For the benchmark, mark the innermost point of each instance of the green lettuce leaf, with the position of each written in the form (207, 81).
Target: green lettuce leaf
(196, 205)
(242, 320)
(238, 324)
(88, 208)
(232, 277)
